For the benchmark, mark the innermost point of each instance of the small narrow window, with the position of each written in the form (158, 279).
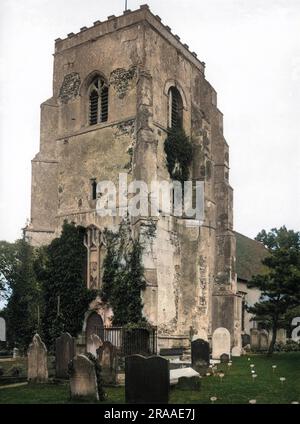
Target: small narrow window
(175, 108)
(98, 101)
(94, 189)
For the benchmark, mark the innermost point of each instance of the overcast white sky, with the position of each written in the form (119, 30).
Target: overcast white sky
(252, 52)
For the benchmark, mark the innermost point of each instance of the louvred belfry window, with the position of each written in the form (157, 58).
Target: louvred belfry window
(98, 101)
(175, 108)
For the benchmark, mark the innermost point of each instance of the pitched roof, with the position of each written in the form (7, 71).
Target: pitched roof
(249, 254)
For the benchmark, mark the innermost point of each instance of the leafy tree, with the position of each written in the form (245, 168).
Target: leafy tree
(8, 261)
(22, 291)
(280, 287)
(61, 269)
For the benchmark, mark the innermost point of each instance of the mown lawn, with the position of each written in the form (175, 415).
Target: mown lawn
(237, 386)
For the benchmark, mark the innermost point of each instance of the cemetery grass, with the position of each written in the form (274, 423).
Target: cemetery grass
(237, 386)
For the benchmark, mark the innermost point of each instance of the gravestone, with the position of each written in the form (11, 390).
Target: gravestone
(16, 353)
(254, 339)
(65, 350)
(147, 380)
(224, 358)
(245, 340)
(220, 342)
(2, 330)
(236, 351)
(176, 375)
(264, 340)
(83, 381)
(37, 361)
(107, 357)
(200, 355)
(93, 344)
(281, 336)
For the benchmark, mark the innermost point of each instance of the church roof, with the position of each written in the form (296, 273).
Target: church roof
(249, 254)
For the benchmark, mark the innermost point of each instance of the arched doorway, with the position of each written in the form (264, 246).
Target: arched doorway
(94, 325)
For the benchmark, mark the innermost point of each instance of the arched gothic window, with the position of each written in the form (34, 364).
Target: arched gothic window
(98, 101)
(175, 108)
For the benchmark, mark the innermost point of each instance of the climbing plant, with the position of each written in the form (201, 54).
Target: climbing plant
(123, 277)
(179, 152)
(61, 272)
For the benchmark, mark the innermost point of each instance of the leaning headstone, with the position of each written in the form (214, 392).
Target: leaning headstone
(93, 344)
(65, 350)
(147, 380)
(236, 351)
(37, 361)
(264, 340)
(2, 330)
(200, 355)
(224, 358)
(107, 357)
(254, 339)
(220, 342)
(83, 381)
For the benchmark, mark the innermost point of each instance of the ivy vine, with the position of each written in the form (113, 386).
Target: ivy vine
(123, 276)
(179, 152)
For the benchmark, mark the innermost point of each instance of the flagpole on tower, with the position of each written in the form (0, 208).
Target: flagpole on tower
(125, 4)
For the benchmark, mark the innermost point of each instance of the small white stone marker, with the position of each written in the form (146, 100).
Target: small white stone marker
(221, 375)
(295, 402)
(274, 367)
(282, 379)
(254, 377)
(213, 399)
(252, 366)
(252, 401)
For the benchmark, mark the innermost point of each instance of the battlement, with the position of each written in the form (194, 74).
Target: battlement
(128, 19)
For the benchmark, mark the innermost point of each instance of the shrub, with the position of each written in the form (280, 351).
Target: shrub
(291, 346)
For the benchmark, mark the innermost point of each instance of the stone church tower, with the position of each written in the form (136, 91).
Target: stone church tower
(117, 87)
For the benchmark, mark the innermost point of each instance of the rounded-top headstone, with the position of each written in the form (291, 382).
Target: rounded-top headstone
(83, 380)
(93, 344)
(65, 350)
(220, 342)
